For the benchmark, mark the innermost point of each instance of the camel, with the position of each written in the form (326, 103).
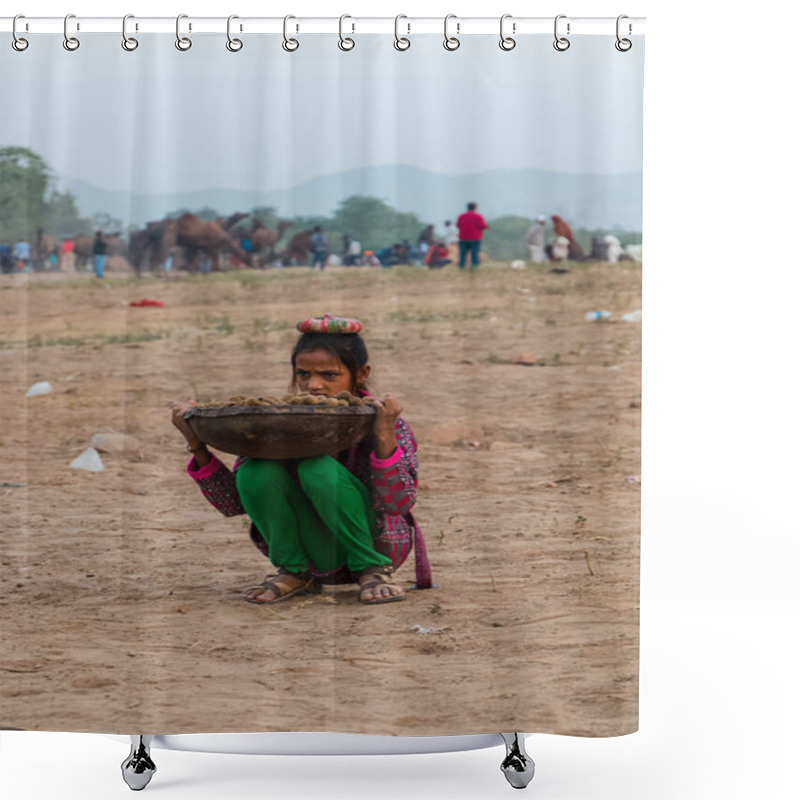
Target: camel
(299, 245)
(201, 237)
(150, 247)
(84, 243)
(264, 239)
(46, 246)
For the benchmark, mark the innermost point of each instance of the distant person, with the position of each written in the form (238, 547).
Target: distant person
(100, 253)
(6, 258)
(563, 230)
(450, 239)
(319, 248)
(426, 239)
(535, 239)
(438, 256)
(471, 226)
(352, 256)
(22, 255)
(67, 254)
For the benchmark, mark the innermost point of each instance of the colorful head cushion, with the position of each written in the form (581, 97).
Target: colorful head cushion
(328, 323)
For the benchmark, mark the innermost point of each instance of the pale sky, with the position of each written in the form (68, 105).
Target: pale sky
(157, 119)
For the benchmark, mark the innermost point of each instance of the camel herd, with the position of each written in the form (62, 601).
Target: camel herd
(187, 242)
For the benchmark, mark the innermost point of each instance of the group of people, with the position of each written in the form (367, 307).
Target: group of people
(23, 258)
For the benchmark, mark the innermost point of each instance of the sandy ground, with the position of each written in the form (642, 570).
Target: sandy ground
(121, 590)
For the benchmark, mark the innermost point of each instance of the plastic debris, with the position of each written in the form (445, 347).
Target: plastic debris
(634, 316)
(591, 316)
(517, 264)
(425, 631)
(145, 302)
(42, 387)
(89, 460)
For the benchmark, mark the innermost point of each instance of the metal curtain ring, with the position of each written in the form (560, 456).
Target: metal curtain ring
(561, 44)
(70, 42)
(289, 45)
(401, 43)
(623, 45)
(128, 42)
(451, 42)
(506, 42)
(18, 43)
(346, 43)
(182, 42)
(234, 45)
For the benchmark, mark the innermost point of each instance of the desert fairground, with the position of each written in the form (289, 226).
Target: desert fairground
(122, 588)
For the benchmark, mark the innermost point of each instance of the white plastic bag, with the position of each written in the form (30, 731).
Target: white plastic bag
(42, 387)
(89, 460)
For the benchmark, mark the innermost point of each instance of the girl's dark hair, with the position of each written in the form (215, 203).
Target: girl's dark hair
(349, 348)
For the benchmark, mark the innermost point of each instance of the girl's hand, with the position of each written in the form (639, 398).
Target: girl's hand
(389, 409)
(178, 410)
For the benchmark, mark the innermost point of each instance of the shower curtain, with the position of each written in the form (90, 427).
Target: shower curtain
(169, 216)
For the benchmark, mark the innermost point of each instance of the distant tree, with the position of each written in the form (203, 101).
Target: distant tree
(374, 223)
(267, 214)
(505, 238)
(106, 223)
(62, 217)
(24, 178)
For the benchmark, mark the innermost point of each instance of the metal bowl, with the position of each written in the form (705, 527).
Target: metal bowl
(282, 431)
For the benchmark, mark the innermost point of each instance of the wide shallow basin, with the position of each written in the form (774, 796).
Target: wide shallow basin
(282, 431)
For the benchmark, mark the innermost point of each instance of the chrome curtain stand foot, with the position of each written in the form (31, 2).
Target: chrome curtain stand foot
(517, 766)
(138, 768)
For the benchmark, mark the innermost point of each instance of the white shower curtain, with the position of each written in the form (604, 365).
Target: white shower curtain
(170, 216)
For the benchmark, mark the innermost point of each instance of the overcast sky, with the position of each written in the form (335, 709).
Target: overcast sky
(157, 118)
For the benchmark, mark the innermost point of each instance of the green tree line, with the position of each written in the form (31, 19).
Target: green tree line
(29, 201)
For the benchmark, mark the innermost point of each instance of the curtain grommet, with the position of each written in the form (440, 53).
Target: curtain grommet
(128, 42)
(17, 42)
(234, 45)
(561, 43)
(623, 45)
(451, 43)
(401, 43)
(183, 43)
(289, 44)
(346, 43)
(507, 43)
(71, 43)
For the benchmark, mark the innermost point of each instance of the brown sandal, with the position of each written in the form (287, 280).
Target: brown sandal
(373, 577)
(279, 588)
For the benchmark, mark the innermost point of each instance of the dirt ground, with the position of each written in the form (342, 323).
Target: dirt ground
(121, 590)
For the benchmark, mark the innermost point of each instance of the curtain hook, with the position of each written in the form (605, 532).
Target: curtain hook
(18, 43)
(623, 45)
(234, 45)
(289, 45)
(401, 43)
(182, 42)
(70, 42)
(346, 43)
(451, 42)
(506, 42)
(561, 44)
(128, 42)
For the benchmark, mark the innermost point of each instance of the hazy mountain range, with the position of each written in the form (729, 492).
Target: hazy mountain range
(585, 201)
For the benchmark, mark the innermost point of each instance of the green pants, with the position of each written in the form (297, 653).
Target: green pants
(324, 517)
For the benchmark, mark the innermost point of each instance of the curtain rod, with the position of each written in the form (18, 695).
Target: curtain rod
(406, 25)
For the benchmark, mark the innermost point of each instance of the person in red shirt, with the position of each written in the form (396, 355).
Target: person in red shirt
(471, 226)
(438, 256)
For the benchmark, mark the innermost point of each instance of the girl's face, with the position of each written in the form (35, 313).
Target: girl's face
(322, 373)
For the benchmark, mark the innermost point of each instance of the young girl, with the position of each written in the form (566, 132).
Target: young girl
(335, 519)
